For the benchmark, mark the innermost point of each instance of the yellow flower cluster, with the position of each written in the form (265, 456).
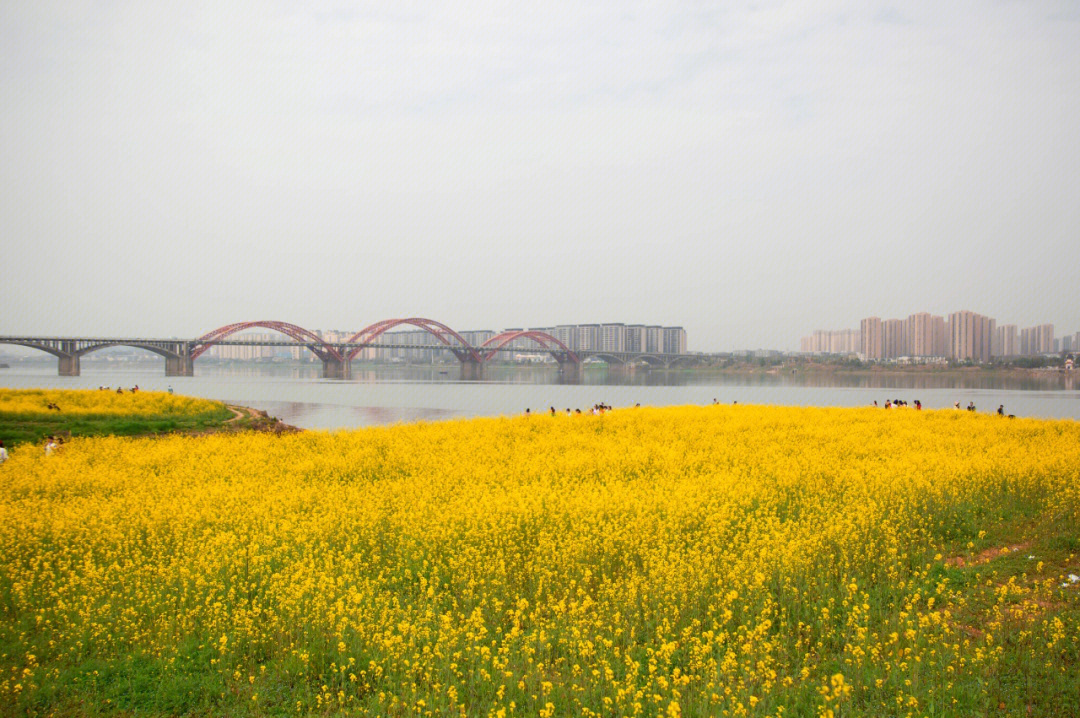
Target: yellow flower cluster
(696, 561)
(31, 402)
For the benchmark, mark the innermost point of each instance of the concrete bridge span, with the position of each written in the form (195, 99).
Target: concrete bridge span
(180, 354)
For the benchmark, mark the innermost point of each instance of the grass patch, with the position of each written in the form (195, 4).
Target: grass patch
(16, 429)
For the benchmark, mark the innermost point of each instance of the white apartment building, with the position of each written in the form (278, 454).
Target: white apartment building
(588, 337)
(674, 340)
(613, 337)
(654, 339)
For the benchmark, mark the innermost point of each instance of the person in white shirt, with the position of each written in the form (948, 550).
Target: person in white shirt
(3, 453)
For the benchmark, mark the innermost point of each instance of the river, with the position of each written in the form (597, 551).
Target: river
(390, 394)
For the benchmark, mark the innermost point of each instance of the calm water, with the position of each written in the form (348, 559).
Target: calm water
(296, 394)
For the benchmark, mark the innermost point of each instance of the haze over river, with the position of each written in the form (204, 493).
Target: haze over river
(390, 394)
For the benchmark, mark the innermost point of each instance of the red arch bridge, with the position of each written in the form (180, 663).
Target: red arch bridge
(180, 354)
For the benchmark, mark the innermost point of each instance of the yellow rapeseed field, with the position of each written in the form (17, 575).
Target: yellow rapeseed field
(695, 561)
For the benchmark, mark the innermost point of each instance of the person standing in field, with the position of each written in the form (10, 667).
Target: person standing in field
(3, 453)
(50, 446)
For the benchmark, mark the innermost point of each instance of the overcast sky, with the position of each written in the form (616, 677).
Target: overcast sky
(751, 173)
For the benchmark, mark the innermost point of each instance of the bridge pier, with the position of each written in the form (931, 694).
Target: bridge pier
(179, 365)
(334, 368)
(68, 365)
(472, 370)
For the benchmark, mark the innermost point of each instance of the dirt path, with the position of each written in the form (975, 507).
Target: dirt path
(256, 420)
(239, 412)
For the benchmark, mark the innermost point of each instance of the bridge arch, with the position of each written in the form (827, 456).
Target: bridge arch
(548, 343)
(651, 360)
(160, 351)
(35, 345)
(609, 358)
(453, 341)
(684, 359)
(313, 342)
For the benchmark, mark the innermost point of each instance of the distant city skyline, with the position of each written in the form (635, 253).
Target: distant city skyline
(959, 335)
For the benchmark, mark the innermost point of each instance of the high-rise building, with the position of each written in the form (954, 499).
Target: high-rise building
(970, 337)
(870, 338)
(654, 339)
(247, 353)
(635, 336)
(674, 340)
(518, 344)
(1037, 340)
(840, 341)
(925, 335)
(613, 337)
(845, 341)
(588, 337)
(1006, 341)
(893, 339)
(567, 334)
(476, 337)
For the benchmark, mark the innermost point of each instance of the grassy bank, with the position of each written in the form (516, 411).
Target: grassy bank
(25, 416)
(708, 561)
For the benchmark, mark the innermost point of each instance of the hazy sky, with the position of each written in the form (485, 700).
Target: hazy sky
(749, 172)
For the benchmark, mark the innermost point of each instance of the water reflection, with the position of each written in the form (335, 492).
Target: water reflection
(390, 394)
(597, 375)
